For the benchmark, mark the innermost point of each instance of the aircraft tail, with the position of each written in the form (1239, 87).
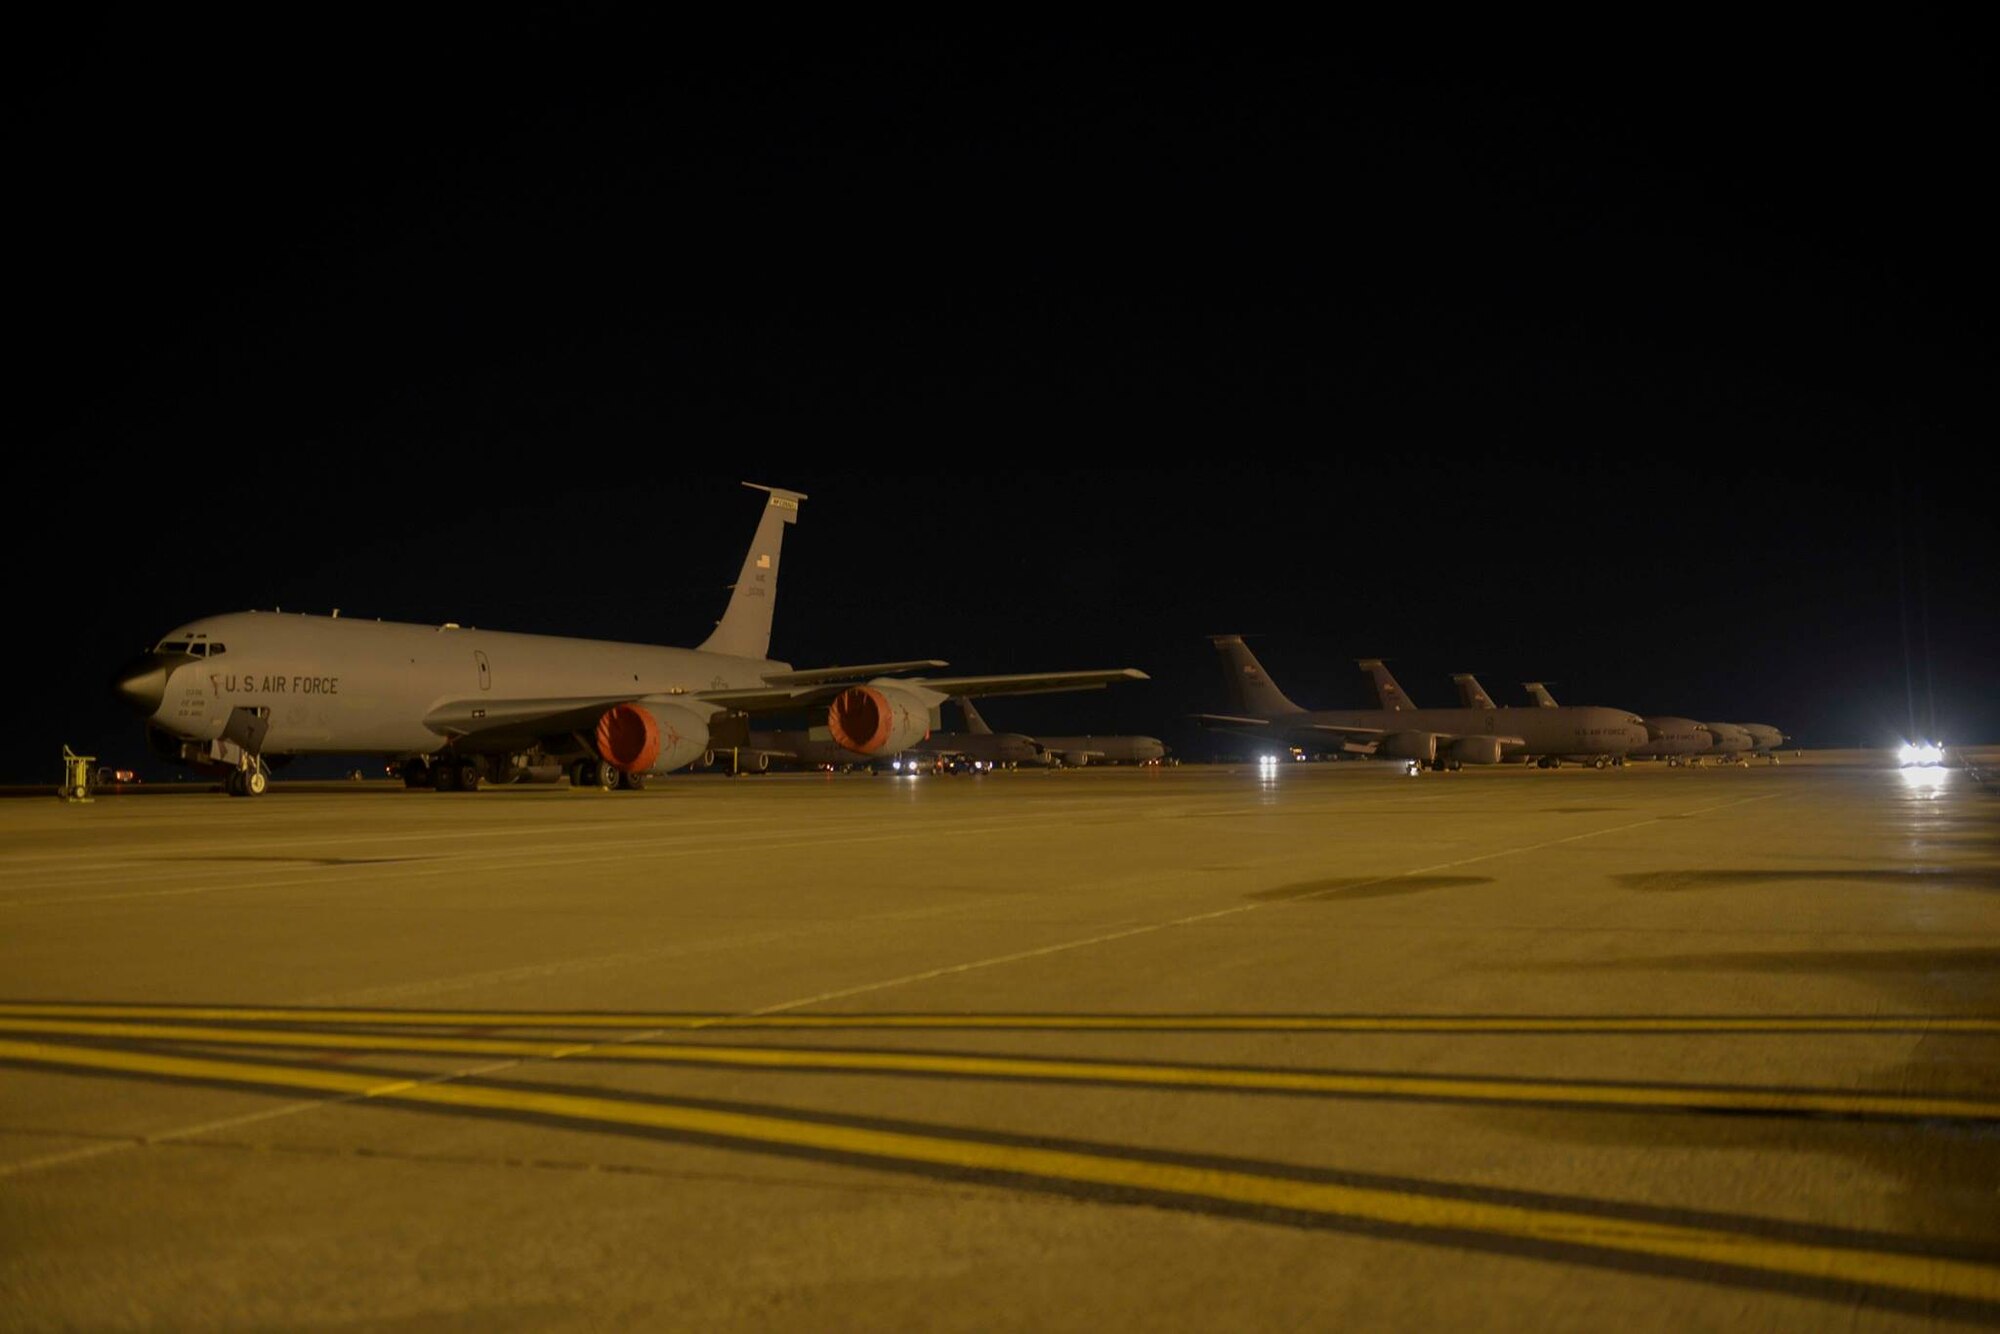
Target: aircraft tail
(1392, 695)
(1539, 693)
(745, 628)
(1245, 683)
(1471, 694)
(974, 724)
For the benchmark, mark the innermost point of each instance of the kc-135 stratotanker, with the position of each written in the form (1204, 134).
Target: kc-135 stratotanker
(455, 707)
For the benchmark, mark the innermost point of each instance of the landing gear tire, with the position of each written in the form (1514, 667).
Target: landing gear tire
(1600, 763)
(632, 782)
(416, 774)
(444, 777)
(255, 782)
(1455, 765)
(232, 782)
(468, 778)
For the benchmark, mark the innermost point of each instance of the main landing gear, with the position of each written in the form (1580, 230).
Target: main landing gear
(252, 780)
(602, 777)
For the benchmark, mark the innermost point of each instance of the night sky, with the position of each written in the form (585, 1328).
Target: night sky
(1668, 380)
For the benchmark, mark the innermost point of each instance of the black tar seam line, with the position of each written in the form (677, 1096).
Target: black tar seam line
(1747, 1225)
(604, 1053)
(1717, 1273)
(581, 1018)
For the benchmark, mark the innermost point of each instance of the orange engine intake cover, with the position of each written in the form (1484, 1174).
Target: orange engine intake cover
(860, 719)
(628, 738)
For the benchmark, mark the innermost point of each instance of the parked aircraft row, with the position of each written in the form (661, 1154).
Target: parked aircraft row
(454, 707)
(1479, 731)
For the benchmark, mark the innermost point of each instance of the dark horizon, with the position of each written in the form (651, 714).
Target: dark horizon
(1669, 385)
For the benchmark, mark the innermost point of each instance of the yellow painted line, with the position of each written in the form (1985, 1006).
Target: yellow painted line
(1145, 1075)
(1820, 1262)
(1219, 1023)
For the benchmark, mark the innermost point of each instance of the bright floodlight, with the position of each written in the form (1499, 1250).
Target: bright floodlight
(1920, 753)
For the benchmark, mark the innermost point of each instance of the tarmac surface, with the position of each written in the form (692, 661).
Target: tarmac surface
(1306, 1046)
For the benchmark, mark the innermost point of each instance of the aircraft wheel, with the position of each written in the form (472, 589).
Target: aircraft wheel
(632, 782)
(232, 782)
(468, 777)
(1455, 765)
(253, 782)
(416, 774)
(1599, 763)
(444, 777)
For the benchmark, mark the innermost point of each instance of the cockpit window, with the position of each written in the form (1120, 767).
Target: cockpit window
(199, 650)
(217, 650)
(175, 646)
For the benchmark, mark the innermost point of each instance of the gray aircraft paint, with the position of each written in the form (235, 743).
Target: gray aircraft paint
(1472, 695)
(1667, 737)
(1071, 750)
(1392, 696)
(1764, 738)
(1264, 710)
(324, 685)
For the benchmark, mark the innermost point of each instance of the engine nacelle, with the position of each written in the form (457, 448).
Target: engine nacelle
(878, 719)
(1475, 750)
(1419, 746)
(649, 738)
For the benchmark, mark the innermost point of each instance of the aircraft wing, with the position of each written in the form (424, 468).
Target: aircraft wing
(1025, 683)
(532, 718)
(822, 675)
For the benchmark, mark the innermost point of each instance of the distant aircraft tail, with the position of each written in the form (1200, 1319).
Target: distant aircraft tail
(745, 628)
(1245, 683)
(1539, 693)
(1392, 695)
(974, 724)
(1471, 694)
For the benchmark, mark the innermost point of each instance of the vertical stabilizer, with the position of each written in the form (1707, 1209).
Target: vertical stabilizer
(1472, 695)
(974, 724)
(745, 628)
(1249, 690)
(1539, 693)
(1392, 695)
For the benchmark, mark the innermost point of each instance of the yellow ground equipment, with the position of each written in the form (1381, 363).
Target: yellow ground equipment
(76, 776)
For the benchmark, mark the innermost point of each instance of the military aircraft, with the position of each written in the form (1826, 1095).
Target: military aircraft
(1440, 738)
(1678, 741)
(455, 706)
(1074, 751)
(1765, 740)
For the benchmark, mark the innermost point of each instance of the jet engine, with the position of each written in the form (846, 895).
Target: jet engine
(1418, 746)
(1475, 750)
(878, 719)
(649, 738)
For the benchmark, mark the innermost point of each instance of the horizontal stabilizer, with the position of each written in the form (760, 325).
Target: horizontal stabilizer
(1228, 720)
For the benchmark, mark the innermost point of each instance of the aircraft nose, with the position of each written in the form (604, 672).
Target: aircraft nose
(142, 683)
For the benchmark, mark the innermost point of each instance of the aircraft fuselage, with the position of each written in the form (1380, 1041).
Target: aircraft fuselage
(341, 687)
